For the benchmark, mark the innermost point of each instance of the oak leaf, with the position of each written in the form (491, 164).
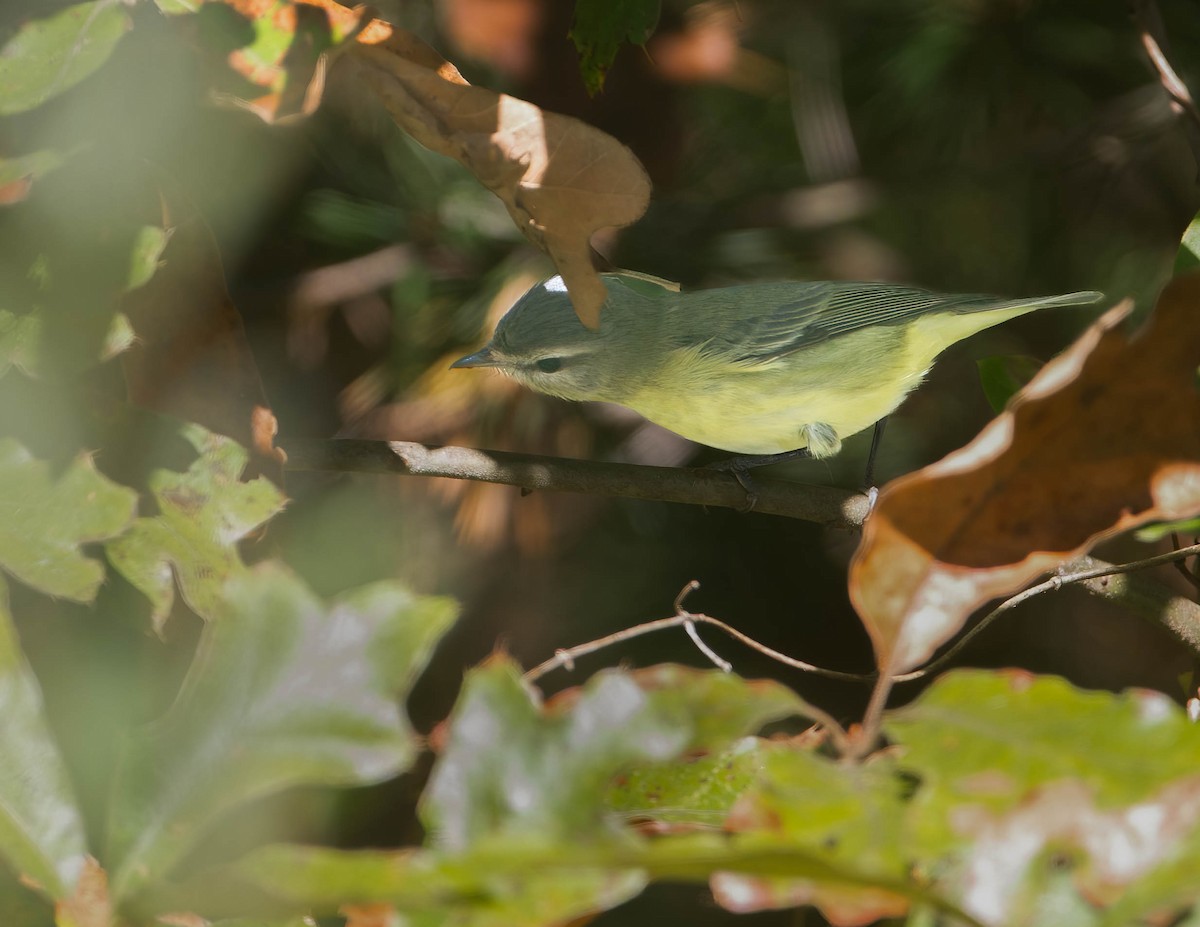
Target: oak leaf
(560, 179)
(1105, 438)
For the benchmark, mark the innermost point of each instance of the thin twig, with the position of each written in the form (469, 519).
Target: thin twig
(1181, 565)
(1057, 581)
(688, 620)
(824, 505)
(723, 665)
(565, 658)
(1154, 41)
(872, 721)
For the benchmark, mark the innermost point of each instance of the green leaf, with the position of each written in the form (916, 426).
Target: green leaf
(601, 26)
(969, 721)
(510, 880)
(148, 246)
(701, 792)
(846, 819)
(1016, 770)
(1188, 527)
(1003, 375)
(20, 341)
(176, 7)
(258, 922)
(283, 692)
(27, 338)
(204, 513)
(41, 830)
(508, 885)
(513, 768)
(50, 55)
(1188, 256)
(18, 173)
(43, 522)
(23, 341)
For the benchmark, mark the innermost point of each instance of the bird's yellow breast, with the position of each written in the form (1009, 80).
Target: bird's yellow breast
(846, 383)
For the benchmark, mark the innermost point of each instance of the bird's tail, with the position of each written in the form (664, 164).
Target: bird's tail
(1021, 306)
(937, 331)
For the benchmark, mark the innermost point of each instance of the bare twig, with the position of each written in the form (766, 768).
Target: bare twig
(1181, 565)
(689, 625)
(1154, 41)
(1174, 613)
(868, 733)
(821, 504)
(1084, 570)
(688, 620)
(566, 657)
(723, 665)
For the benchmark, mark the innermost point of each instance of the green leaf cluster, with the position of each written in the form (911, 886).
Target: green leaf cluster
(998, 799)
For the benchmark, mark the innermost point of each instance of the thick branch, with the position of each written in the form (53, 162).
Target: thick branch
(821, 504)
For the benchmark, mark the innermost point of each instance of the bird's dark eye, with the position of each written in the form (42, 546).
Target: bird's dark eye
(549, 364)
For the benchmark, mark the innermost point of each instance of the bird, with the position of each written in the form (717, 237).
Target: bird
(771, 368)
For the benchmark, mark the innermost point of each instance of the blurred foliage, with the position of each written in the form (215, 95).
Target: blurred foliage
(974, 145)
(601, 27)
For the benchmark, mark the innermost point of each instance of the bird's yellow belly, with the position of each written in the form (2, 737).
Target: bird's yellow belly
(765, 410)
(759, 424)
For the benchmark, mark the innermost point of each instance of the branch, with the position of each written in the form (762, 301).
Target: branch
(824, 505)
(1149, 599)
(1146, 598)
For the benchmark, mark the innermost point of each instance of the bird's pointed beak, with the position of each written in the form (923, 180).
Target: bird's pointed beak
(481, 358)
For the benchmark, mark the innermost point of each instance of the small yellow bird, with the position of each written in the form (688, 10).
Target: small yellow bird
(762, 368)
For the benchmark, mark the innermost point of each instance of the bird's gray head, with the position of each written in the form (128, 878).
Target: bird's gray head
(542, 344)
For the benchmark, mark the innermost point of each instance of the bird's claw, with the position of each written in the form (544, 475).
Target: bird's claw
(746, 481)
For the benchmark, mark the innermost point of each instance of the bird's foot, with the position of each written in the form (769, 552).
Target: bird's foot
(739, 467)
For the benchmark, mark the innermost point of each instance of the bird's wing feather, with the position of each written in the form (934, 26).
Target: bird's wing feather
(779, 319)
(643, 284)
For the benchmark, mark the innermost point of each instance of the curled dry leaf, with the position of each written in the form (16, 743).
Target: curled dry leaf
(1105, 438)
(560, 179)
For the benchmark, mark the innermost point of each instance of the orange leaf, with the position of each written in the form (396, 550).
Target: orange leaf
(560, 178)
(1105, 438)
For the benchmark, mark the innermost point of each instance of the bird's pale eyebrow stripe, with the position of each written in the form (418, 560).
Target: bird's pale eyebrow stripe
(564, 353)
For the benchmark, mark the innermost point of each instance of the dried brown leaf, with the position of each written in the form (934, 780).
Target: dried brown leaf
(89, 905)
(1105, 438)
(561, 179)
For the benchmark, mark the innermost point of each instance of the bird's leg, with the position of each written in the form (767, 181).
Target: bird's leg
(741, 466)
(876, 440)
(744, 463)
(821, 440)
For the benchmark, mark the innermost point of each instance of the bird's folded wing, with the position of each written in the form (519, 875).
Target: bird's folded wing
(783, 318)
